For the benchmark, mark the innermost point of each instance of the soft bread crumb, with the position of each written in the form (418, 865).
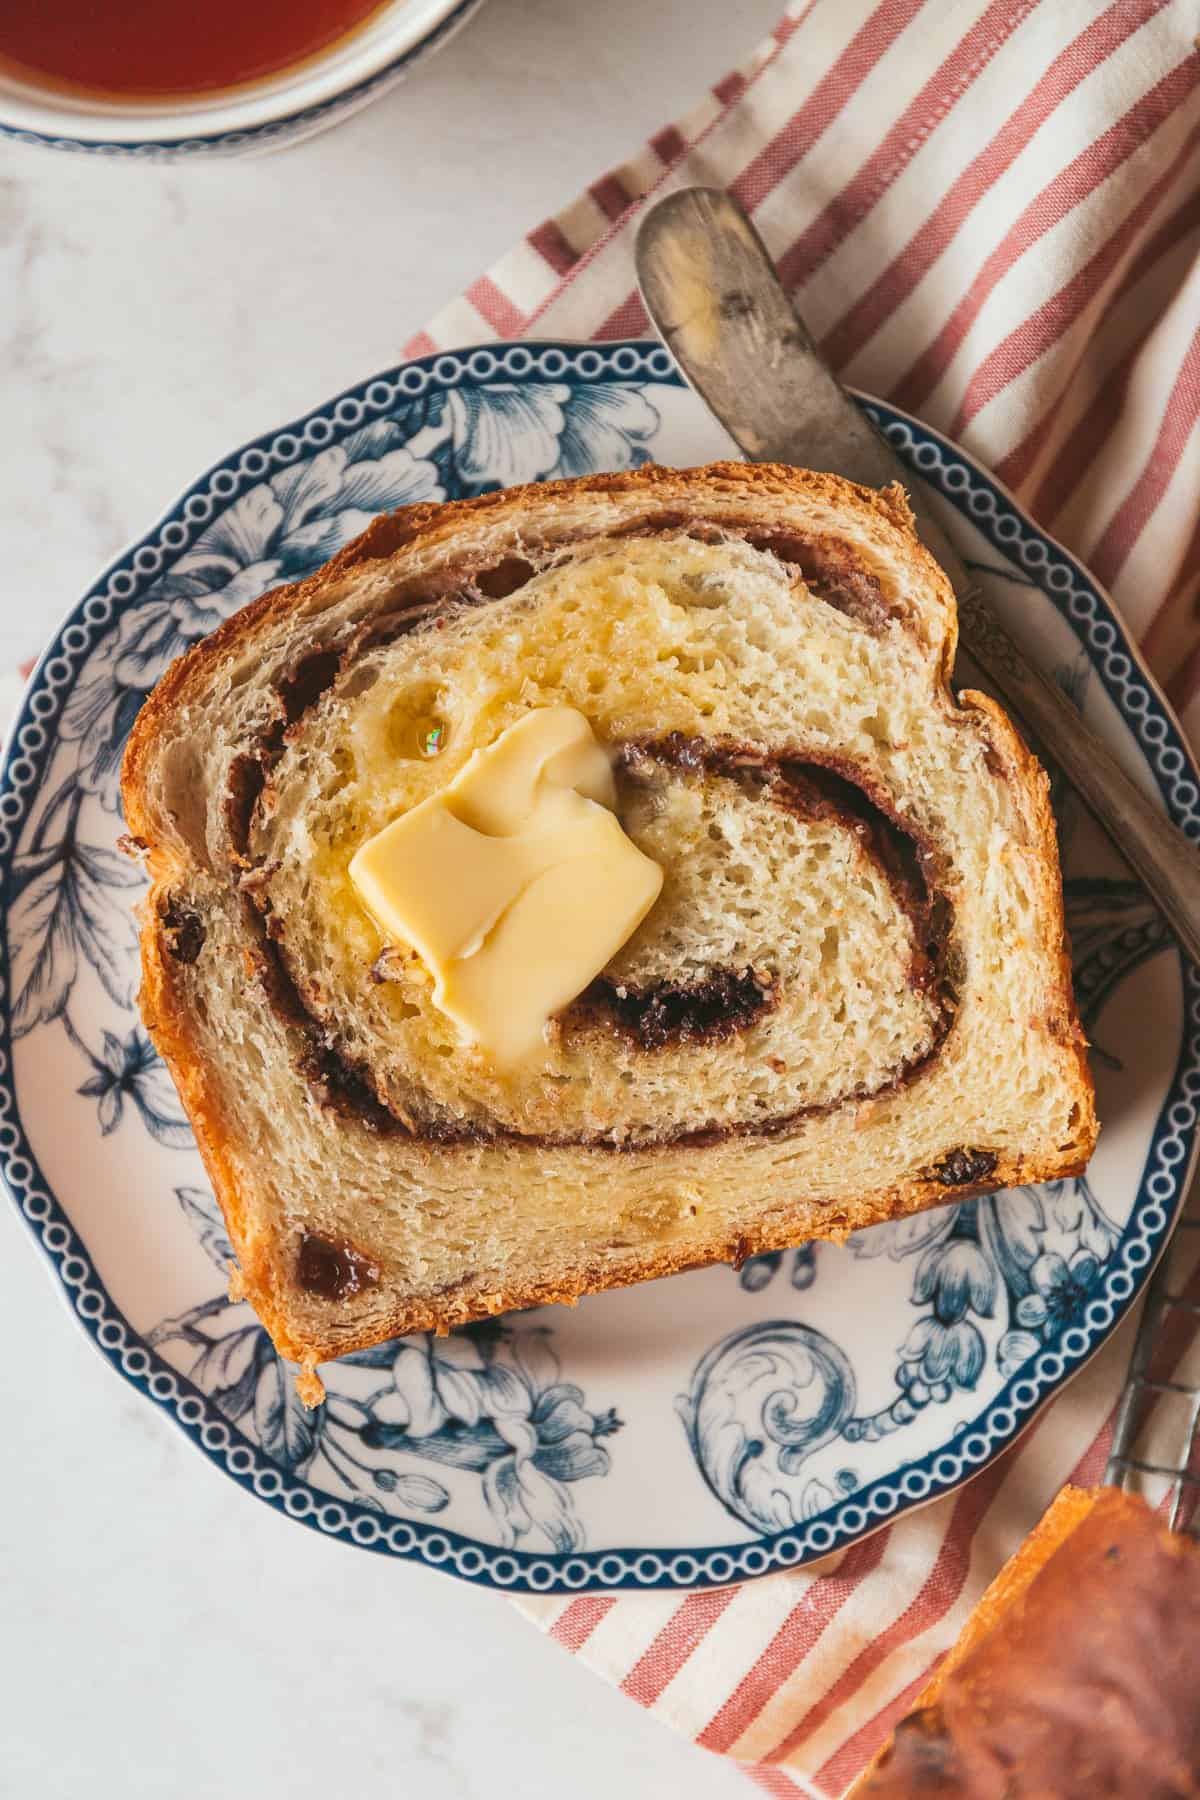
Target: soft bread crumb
(650, 633)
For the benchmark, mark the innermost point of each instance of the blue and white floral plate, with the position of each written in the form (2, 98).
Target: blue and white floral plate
(712, 1427)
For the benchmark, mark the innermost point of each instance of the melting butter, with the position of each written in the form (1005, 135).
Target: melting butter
(515, 884)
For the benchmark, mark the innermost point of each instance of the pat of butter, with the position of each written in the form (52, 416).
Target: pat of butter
(515, 884)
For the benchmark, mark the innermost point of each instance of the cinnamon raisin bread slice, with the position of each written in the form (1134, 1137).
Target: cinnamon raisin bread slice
(851, 999)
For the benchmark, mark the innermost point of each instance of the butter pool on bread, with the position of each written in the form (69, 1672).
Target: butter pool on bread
(851, 998)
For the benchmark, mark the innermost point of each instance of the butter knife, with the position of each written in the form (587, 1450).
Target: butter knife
(711, 289)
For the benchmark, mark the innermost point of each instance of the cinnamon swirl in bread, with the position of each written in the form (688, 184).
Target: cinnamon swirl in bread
(850, 999)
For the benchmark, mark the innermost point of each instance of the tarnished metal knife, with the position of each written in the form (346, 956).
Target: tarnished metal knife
(711, 289)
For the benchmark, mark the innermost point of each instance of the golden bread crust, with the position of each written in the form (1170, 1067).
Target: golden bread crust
(392, 546)
(1077, 1674)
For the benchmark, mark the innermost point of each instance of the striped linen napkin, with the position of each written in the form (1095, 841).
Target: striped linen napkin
(990, 213)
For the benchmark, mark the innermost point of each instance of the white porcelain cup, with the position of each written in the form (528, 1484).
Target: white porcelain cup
(275, 110)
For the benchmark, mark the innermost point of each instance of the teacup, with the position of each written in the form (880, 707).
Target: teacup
(272, 110)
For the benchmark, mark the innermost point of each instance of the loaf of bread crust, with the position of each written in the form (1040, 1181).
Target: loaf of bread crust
(1077, 1675)
(851, 1000)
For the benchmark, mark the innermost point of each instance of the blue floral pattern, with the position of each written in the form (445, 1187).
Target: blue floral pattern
(129, 1069)
(69, 904)
(501, 1451)
(487, 1400)
(762, 1403)
(1037, 1253)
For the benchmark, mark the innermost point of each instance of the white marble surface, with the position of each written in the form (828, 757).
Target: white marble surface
(160, 1633)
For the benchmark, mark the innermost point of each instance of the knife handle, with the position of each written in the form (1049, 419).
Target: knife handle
(711, 289)
(1167, 862)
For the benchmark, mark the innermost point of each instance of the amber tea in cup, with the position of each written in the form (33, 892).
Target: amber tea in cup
(156, 49)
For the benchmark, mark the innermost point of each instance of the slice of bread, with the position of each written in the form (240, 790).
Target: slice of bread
(1077, 1675)
(851, 1000)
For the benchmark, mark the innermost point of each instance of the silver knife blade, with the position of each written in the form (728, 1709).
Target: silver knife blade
(711, 289)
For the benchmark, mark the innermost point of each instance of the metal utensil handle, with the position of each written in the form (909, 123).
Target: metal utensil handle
(1148, 1382)
(1167, 862)
(711, 289)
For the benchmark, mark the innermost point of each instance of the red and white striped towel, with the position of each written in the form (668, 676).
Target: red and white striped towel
(990, 212)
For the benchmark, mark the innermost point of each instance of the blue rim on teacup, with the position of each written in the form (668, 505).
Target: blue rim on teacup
(292, 103)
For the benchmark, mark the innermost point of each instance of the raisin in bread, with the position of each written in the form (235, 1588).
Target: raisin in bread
(1077, 1675)
(851, 1000)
